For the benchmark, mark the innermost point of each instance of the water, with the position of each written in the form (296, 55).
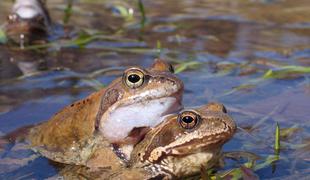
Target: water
(234, 42)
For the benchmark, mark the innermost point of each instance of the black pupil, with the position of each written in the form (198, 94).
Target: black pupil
(134, 78)
(187, 119)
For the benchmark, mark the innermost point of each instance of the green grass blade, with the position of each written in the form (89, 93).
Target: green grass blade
(142, 11)
(276, 148)
(67, 12)
(187, 65)
(277, 138)
(286, 71)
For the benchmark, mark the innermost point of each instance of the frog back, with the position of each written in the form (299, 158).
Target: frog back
(67, 131)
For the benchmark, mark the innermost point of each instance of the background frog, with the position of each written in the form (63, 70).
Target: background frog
(28, 23)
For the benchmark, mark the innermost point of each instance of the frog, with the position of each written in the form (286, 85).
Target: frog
(28, 23)
(178, 147)
(119, 115)
(183, 143)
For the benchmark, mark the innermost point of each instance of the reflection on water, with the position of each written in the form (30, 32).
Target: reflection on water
(235, 42)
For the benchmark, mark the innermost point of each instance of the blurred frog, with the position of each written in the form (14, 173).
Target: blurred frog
(28, 23)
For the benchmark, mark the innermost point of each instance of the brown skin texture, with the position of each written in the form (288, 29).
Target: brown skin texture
(104, 157)
(169, 143)
(73, 123)
(82, 172)
(74, 127)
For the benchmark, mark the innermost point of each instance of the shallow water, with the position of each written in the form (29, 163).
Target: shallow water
(234, 43)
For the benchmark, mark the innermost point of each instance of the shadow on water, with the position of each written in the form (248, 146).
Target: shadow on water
(223, 48)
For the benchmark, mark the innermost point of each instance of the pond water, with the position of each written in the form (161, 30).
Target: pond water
(222, 50)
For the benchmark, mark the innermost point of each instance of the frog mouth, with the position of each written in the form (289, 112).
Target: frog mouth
(136, 135)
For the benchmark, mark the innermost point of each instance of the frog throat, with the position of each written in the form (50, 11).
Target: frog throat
(124, 119)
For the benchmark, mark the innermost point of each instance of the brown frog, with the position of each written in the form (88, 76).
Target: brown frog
(177, 147)
(182, 143)
(119, 114)
(28, 23)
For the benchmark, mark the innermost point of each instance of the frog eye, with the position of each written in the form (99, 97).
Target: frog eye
(134, 78)
(188, 119)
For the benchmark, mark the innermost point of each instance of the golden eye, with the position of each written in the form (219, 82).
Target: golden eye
(134, 78)
(188, 119)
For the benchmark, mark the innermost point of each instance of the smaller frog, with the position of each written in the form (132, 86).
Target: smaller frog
(182, 143)
(178, 147)
(28, 23)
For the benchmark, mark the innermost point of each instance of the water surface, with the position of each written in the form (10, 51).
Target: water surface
(229, 45)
